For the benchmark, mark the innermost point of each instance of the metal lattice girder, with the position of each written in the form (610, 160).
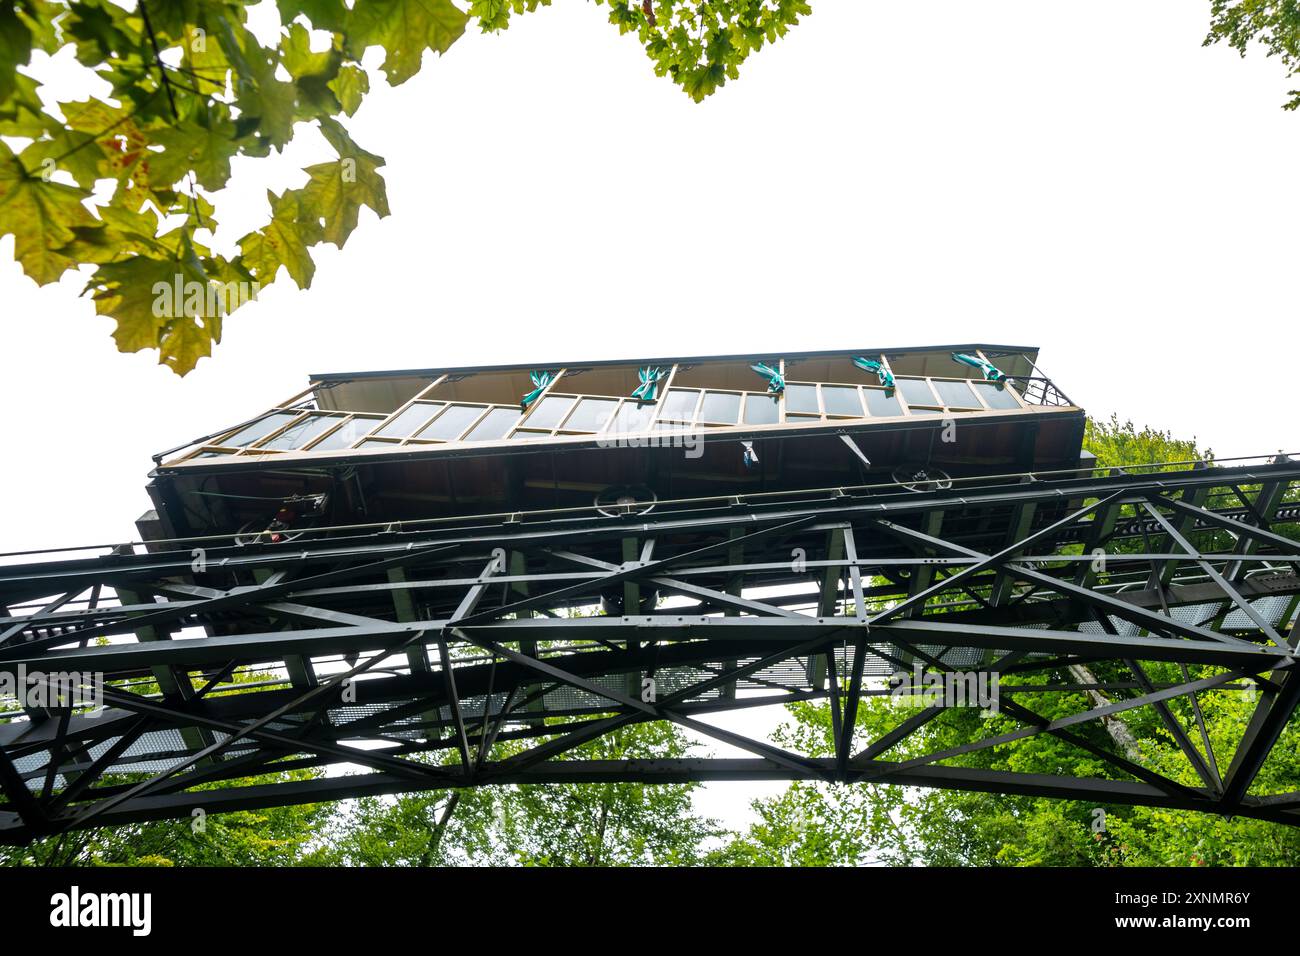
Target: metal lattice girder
(441, 644)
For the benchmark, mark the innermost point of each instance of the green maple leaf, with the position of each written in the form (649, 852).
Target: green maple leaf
(313, 72)
(405, 29)
(284, 241)
(205, 149)
(350, 86)
(128, 159)
(185, 341)
(41, 217)
(267, 103)
(337, 191)
(273, 104)
(298, 57)
(125, 291)
(169, 304)
(700, 83)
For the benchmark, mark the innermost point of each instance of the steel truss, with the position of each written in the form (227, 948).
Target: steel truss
(442, 644)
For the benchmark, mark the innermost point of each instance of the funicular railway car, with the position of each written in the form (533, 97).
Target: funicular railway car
(616, 437)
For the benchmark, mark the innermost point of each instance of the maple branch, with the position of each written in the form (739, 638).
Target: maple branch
(157, 54)
(197, 76)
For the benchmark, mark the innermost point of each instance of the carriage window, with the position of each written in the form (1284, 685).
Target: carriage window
(720, 407)
(997, 397)
(590, 415)
(454, 420)
(842, 400)
(801, 399)
(762, 409)
(633, 416)
(259, 429)
(679, 406)
(410, 421)
(882, 404)
(916, 391)
(302, 432)
(956, 394)
(346, 435)
(494, 425)
(549, 412)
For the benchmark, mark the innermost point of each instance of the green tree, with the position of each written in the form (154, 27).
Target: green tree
(1116, 444)
(434, 828)
(1274, 24)
(279, 836)
(193, 88)
(620, 824)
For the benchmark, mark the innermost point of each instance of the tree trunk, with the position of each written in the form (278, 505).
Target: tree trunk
(1116, 727)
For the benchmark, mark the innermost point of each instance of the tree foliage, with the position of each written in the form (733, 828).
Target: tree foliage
(1274, 24)
(278, 836)
(122, 181)
(618, 824)
(1116, 444)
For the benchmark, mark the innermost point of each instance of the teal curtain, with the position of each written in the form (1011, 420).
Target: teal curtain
(540, 380)
(648, 390)
(990, 372)
(885, 376)
(775, 382)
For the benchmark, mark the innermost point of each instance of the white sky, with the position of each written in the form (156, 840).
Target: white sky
(1087, 179)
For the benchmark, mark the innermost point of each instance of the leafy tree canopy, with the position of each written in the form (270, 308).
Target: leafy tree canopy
(277, 836)
(1275, 24)
(193, 87)
(619, 824)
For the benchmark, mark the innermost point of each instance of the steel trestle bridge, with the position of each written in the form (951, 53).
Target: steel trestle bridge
(443, 642)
